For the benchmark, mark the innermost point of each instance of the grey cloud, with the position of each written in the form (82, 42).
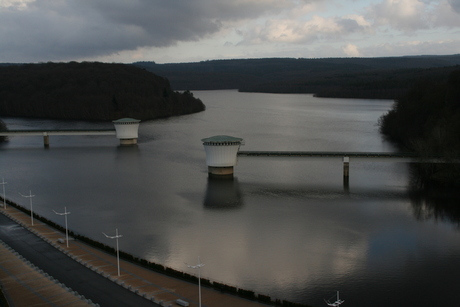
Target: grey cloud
(309, 31)
(455, 4)
(51, 34)
(162, 22)
(394, 15)
(349, 25)
(70, 29)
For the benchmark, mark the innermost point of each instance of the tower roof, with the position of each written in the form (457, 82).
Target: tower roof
(126, 121)
(222, 139)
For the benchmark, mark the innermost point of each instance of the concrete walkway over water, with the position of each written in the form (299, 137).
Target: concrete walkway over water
(25, 285)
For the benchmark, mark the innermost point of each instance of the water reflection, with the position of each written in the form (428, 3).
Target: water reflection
(437, 206)
(223, 193)
(131, 151)
(346, 185)
(286, 229)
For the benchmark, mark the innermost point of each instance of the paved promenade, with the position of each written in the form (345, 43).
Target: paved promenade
(26, 286)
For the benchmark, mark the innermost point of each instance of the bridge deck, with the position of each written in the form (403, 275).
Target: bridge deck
(328, 154)
(368, 156)
(59, 132)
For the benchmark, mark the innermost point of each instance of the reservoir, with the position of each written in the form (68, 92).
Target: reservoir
(283, 227)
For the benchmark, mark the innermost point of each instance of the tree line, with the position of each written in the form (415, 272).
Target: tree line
(89, 91)
(3, 128)
(382, 78)
(426, 120)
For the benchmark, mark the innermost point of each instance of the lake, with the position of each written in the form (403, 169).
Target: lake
(283, 227)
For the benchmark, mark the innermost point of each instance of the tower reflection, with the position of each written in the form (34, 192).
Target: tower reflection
(223, 193)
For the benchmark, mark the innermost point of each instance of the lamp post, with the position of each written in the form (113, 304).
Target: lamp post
(31, 208)
(198, 266)
(4, 196)
(66, 229)
(118, 254)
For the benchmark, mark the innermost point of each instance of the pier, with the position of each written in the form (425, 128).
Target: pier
(47, 133)
(393, 156)
(126, 130)
(406, 157)
(343, 155)
(222, 152)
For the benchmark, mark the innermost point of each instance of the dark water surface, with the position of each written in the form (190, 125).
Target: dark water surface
(283, 227)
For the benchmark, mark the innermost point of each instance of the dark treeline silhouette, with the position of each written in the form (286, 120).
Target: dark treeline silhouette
(3, 128)
(383, 78)
(89, 91)
(427, 120)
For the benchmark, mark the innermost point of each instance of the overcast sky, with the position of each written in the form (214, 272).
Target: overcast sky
(171, 31)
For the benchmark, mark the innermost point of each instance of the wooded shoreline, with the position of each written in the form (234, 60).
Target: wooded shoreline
(371, 78)
(90, 91)
(426, 120)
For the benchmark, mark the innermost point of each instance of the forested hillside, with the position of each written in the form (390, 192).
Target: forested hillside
(89, 91)
(427, 120)
(384, 78)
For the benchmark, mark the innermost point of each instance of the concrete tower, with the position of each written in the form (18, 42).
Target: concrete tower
(221, 152)
(127, 130)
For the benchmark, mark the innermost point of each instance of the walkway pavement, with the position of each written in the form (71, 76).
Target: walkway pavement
(25, 286)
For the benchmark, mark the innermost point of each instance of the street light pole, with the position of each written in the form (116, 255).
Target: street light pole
(4, 196)
(198, 266)
(31, 208)
(66, 229)
(118, 253)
